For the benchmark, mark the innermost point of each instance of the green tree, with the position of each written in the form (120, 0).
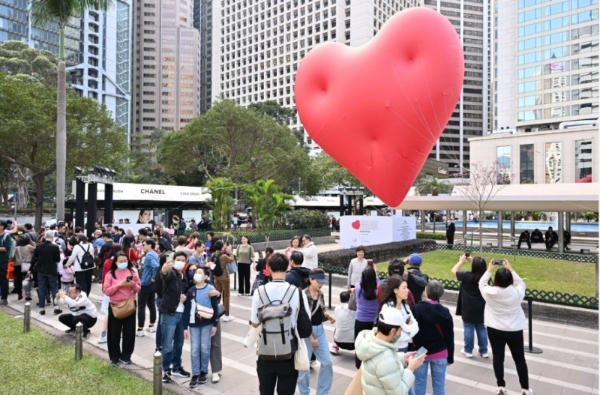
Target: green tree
(269, 203)
(20, 61)
(221, 190)
(281, 115)
(327, 173)
(28, 127)
(432, 185)
(140, 167)
(236, 143)
(61, 11)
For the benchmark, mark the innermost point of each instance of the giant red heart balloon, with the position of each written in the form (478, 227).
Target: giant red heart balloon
(379, 109)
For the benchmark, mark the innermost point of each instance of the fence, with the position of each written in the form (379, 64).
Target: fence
(586, 258)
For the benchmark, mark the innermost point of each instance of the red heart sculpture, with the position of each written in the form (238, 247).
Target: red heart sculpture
(356, 224)
(380, 108)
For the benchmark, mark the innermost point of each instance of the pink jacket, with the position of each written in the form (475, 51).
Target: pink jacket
(117, 294)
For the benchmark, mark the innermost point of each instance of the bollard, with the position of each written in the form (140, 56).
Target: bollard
(531, 349)
(27, 317)
(157, 381)
(330, 291)
(78, 341)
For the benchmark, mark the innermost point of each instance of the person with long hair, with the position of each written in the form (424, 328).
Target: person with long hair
(245, 258)
(23, 255)
(108, 264)
(471, 305)
(130, 250)
(121, 284)
(505, 321)
(395, 295)
(367, 304)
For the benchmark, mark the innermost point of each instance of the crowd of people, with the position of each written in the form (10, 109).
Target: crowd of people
(397, 327)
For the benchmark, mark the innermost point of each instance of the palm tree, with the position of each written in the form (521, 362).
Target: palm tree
(222, 203)
(268, 202)
(432, 185)
(61, 11)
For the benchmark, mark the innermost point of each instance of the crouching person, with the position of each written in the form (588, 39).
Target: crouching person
(82, 310)
(384, 371)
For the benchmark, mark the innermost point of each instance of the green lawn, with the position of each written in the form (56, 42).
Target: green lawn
(538, 273)
(37, 363)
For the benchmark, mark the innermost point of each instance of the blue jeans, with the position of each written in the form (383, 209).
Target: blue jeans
(411, 391)
(158, 328)
(324, 357)
(470, 337)
(172, 340)
(438, 376)
(200, 348)
(45, 281)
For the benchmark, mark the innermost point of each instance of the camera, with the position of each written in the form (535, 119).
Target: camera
(498, 262)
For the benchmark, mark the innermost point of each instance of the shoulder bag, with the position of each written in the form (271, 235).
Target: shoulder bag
(123, 309)
(303, 323)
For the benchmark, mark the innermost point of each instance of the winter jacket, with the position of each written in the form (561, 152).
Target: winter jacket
(383, 370)
(503, 309)
(436, 328)
(80, 305)
(150, 267)
(45, 258)
(298, 276)
(174, 285)
(311, 256)
(416, 281)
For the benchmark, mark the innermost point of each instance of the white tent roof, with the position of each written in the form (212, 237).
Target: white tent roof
(531, 197)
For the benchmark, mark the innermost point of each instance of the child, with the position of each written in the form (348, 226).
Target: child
(201, 315)
(66, 276)
(343, 336)
(263, 271)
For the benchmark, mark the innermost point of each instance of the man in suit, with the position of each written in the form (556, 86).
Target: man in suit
(524, 238)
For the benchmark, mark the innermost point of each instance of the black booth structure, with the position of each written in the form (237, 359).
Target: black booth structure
(96, 175)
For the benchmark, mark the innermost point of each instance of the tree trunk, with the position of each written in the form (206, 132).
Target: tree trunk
(38, 180)
(61, 132)
(480, 232)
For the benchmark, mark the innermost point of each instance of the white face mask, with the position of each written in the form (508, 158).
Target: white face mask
(198, 278)
(178, 265)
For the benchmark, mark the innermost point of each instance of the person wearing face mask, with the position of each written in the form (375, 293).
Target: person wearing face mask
(200, 319)
(147, 294)
(120, 284)
(383, 371)
(171, 321)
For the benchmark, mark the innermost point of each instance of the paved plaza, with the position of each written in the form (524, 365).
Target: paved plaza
(567, 366)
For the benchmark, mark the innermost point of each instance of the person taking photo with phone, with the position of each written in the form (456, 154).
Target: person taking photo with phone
(505, 321)
(147, 295)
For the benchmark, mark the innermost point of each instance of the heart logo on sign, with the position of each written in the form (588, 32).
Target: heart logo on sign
(379, 109)
(356, 224)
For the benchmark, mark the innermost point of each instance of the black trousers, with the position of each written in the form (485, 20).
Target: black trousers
(524, 241)
(116, 327)
(243, 278)
(360, 326)
(84, 280)
(146, 297)
(499, 340)
(18, 281)
(71, 321)
(3, 281)
(280, 374)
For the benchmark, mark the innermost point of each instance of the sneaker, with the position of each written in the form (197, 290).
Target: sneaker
(87, 335)
(140, 333)
(527, 392)
(158, 349)
(69, 331)
(314, 364)
(501, 391)
(216, 378)
(466, 354)
(102, 338)
(125, 361)
(114, 364)
(167, 377)
(42, 312)
(228, 318)
(180, 372)
(484, 355)
(3, 302)
(151, 328)
(334, 349)
(57, 311)
(194, 381)
(240, 294)
(202, 379)
(247, 295)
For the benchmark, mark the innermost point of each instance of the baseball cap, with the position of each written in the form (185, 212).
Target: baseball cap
(320, 277)
(391, 316)
(415, 259)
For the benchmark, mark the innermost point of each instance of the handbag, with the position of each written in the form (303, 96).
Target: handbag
(123, 309)
(301, 360)
(232, 267)
(205, 313)
(25, 266)
(355, 387)
(303, 323)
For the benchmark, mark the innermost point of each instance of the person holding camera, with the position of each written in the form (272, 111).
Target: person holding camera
(505, 320)
(82, 310)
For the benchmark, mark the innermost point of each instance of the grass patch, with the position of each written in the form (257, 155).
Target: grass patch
(38, 363)
(538, 273)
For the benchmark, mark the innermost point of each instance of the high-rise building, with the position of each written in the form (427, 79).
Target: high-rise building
(545, 64)
(203, 21)
(471, 115)
(105, 72)
(166, 69)
(258, 44)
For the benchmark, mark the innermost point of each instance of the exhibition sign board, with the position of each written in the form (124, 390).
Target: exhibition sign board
(365, 230)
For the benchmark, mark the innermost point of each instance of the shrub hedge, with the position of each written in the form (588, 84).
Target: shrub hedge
(338, 261)
(259, 236)
(432, 236)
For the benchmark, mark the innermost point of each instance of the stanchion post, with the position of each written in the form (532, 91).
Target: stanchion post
(78, 341)
(330, 290)
(27, 317)
(157, 370)
(234, 281)
(530, 349)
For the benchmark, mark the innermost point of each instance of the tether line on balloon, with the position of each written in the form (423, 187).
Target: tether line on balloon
(428, 90)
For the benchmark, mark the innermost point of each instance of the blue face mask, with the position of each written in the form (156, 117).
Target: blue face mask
(122, 265)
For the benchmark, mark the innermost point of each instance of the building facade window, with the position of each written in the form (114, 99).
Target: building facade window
(553, 162)
(526, 172)
(583, 159)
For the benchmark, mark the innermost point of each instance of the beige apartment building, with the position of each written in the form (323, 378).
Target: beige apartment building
(166, 90)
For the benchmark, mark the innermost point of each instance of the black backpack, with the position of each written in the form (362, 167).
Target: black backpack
(87, 260)
(218, 270)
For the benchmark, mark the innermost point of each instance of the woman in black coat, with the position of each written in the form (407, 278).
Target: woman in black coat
(450, 234)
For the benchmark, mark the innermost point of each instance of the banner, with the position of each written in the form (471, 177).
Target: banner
(364, 230)
(122, 191)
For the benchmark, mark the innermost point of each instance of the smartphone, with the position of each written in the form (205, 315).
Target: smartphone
(170, 256)
(129, 278)
(420, 352)
(467, 254)
(499, 262)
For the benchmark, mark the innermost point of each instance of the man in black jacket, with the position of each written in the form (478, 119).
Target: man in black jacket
(45, 258)
(524, 238)
(174, 289)
(297, 275)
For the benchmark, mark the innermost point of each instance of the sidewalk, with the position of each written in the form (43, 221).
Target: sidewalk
(567, 366)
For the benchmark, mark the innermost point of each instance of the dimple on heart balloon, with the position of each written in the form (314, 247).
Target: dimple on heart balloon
(379, 109)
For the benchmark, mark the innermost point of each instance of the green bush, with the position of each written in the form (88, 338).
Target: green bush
(306, 219)
(432, 236)
(260, 236)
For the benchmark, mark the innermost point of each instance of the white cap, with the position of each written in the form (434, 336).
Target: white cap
(391, 316)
